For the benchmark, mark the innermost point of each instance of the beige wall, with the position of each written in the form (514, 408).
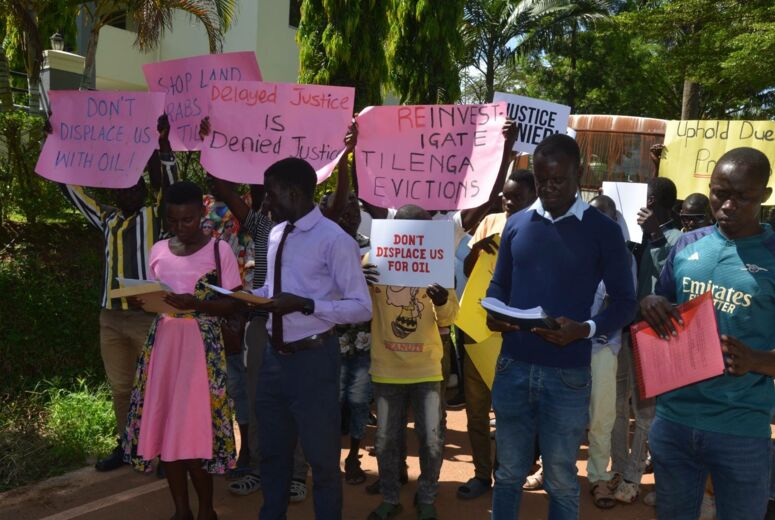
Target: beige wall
(260, 26)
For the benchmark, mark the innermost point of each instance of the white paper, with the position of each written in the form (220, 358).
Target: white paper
(495, 305)
(536, 118)
(413, 253)
(134, 282)
(629, 197)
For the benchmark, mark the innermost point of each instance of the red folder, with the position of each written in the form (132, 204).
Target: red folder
(664, 365)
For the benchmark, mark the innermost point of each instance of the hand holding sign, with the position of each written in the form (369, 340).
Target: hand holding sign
(100, 139)
(536, 119)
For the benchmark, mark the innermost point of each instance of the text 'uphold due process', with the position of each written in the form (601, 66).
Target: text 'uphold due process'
(100, 139)
(440, 156)
(186, 82)
(254, 124)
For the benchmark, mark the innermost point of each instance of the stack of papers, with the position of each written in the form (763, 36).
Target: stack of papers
(526, 319)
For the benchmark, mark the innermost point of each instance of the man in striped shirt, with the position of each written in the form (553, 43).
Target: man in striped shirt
(129, 230)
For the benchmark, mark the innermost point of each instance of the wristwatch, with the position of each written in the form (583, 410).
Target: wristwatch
(309, 307)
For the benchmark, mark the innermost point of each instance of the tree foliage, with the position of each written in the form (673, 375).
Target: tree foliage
(342, 42)
(424, 49)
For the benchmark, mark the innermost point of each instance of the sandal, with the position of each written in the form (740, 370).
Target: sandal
(248, 484)
(426, 512)
(474, 488)
(534, 481)
(353, 474)
(602, 495)
(385, 511)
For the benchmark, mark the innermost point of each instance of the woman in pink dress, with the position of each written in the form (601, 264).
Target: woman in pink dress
(179, 410)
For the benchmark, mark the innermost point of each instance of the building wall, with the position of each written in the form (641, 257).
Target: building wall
(260, 26)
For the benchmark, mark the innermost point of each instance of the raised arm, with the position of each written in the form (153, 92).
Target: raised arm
(471, 217)
(162, 168)
(337, 204)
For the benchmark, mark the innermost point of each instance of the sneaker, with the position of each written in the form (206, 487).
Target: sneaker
(457, 401)
(627, 492)
(298, 491)
(247, 485)
(113, 461)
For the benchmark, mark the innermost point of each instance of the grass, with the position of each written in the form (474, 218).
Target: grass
(52, 430)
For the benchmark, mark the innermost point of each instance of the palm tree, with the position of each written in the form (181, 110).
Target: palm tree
(494, 30)
(153, 18)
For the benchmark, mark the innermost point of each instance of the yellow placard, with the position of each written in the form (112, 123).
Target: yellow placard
(472, 318)
(692, 149)
(484, 356)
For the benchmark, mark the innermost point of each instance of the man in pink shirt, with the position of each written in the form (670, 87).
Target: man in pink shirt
(315, 282)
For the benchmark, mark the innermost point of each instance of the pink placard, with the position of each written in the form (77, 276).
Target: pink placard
(187, 85)
(100, 139)
(255, 124)
(440, 157)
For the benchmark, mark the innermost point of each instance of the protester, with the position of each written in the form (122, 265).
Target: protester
(179, 411)
(517, 194)
(660, 233)
(411, 317)
(129, 230)
(602, 408)
(695, 212)
(314, 279)
(721, 427)
(553, 255)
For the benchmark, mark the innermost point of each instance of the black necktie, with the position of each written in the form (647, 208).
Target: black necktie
(277, 320)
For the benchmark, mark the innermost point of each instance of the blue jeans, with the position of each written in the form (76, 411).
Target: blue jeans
(237, 386)
(298, 398)
(552, 405)
(684, 457)
(355, 390)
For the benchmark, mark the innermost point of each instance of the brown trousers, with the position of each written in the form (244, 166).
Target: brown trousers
(122, 336)
(478, 404)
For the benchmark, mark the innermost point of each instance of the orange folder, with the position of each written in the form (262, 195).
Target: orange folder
(695, 355)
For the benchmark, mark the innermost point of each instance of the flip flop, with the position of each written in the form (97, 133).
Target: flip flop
(602, 496)
(385, 511)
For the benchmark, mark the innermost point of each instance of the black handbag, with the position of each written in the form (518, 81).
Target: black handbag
(232, 327)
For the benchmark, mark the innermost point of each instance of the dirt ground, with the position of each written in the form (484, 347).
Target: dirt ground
(126, 495)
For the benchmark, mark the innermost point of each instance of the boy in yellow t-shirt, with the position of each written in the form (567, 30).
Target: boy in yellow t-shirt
(406, 354)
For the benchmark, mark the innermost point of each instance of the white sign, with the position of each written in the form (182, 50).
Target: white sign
(413, 253)
(537, 119)
(629, 197)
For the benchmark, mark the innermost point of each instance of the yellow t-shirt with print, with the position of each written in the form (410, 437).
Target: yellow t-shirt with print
(406, 345)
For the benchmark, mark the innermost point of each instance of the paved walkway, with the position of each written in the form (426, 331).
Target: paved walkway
(126, 495)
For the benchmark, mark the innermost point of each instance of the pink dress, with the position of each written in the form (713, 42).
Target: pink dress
(176, 416)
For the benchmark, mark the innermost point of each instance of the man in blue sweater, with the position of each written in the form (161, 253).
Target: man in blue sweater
(553, 254)
(721, 426)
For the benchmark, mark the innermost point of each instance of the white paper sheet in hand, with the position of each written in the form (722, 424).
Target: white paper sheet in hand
(629, 197)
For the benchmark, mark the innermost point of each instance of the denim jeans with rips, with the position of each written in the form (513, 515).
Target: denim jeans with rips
(392, 403)
(684, 457)
(355, 390)
(548, 403)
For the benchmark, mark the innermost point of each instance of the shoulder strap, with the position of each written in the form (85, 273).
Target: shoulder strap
(218, 261)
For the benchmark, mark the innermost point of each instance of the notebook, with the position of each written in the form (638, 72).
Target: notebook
(695, 355)
(526, 319)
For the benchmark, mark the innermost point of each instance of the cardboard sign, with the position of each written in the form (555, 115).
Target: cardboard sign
(629, 197)
(536, 119)
(472, 317)
(692, 149)
(440, 157)
(255, 124)
(187, 84)
(100, 139)
(413, 253)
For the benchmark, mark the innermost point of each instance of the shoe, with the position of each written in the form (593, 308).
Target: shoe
(457, 401)
(372, 419)
(298, 491)
(474, 488)
(452, 382)
(534, 481)
(247, 485)
(492, 423)
(373, 488)
(113, 461)
(627, 492)
(650, 499)
(385, 511)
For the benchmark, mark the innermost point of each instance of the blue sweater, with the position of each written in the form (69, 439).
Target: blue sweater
(558, 265)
